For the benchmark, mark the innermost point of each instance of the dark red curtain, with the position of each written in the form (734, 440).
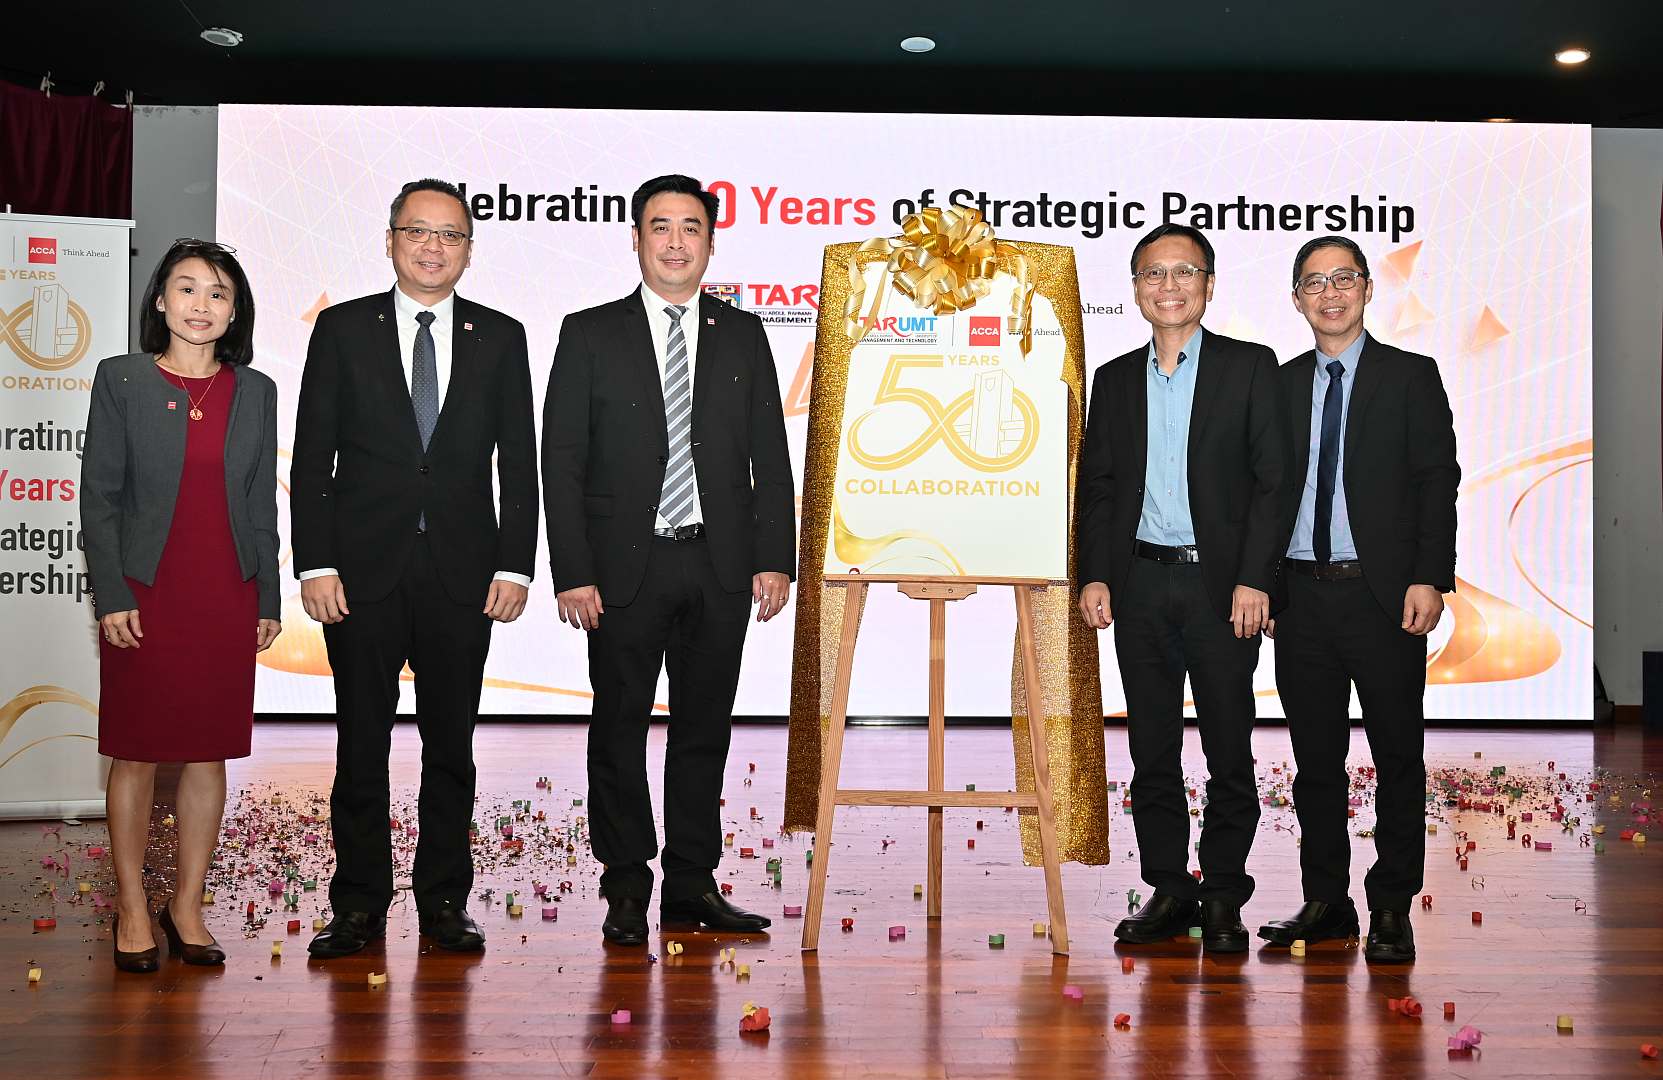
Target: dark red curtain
(64, 155)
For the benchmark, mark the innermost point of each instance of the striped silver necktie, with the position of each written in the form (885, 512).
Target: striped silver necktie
(676, 497)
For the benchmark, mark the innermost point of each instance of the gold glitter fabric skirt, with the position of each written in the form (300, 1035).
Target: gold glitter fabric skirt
(1067, 649)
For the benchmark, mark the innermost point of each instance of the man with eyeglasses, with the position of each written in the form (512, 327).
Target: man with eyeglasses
(406, 397)
(1180, 494)
(1372, 552)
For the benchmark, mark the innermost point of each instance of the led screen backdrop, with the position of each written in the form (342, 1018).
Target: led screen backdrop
(1478, 236)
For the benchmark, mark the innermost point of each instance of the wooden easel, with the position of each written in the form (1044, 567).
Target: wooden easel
(938, 591)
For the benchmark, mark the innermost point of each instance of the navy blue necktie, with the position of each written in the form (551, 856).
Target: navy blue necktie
(1328, 462)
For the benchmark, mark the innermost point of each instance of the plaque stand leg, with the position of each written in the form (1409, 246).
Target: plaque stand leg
(938, 591)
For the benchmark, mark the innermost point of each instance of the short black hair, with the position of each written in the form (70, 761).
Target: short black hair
(236, 346)
(1162, 231)
(674, 184)
(1321, 242)
(443, 187)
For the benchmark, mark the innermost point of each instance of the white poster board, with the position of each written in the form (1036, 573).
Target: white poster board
(63, 308)
(952, 459)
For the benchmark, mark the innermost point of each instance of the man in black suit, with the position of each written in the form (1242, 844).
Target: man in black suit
(1372, 552)
(406, 396)
(667, 484)
(1180, 493)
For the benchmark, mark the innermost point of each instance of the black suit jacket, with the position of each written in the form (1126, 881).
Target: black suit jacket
(605, 447)
(1239, 469)
(1401, 475)
(361, 481)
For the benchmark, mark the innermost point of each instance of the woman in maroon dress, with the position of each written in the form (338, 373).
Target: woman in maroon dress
(179, 513)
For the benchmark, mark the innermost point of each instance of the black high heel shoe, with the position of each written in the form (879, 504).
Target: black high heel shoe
(140, 963)
(207, 955)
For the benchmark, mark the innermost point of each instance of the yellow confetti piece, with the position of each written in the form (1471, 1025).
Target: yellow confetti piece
(1639, 838)
(1297, 948)
(83, 887)
(744, 971)
(917, 891)
(378, 978)
(674, 948)
(516, 910)
(277, 948)
(34, 975)
(1564, 1022)
(1039, 928)
(319, 923)
(207, 896)
(1431, 828)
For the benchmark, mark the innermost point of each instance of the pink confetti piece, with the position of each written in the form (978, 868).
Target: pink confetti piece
(551, 914)
(897, 933)
(1073, 993)
(793, 911)
(620, 1016)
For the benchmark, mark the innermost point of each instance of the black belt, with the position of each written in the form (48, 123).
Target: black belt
(1160, 553)
(1334, 571)
(681, 533)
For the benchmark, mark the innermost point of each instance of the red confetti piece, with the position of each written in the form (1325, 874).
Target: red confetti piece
(46, 923)
(1126, 965)
(1426, 900)
(294, 926)
(755, 1021)
(848, 924)
(1648, 1051)
(1477, 917)
(727, 889)
(1449, 1010)
(1122, 1020)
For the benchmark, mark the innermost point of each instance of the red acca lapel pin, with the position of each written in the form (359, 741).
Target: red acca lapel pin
(467, 326)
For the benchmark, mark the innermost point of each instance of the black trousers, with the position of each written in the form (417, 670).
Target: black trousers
(1164, 626)
(445, 643)
(684, 618)
(1331, 634)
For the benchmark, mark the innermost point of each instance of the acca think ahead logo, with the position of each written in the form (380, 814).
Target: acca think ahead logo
(43, 249)
(984, 331)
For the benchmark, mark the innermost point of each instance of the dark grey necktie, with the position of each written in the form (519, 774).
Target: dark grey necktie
(676, 499)
(424, 379)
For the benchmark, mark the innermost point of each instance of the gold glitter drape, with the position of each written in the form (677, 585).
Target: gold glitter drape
(1067, 651)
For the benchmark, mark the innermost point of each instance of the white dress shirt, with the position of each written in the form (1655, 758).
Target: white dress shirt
(658, 326)
(405, 311)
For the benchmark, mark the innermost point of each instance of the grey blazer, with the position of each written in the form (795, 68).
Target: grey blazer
(130, 469)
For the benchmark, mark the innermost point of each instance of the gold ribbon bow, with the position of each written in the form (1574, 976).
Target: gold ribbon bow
(944, 260)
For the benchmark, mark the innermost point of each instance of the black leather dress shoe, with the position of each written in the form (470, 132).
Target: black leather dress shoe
(1161, 918)
(347, 933)
(626, 921)
(714, 912)
(1221, 928)
(1316, 921)
(451, 929)
(1391, 940)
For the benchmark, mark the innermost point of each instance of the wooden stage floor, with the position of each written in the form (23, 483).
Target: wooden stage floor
(1565, 931)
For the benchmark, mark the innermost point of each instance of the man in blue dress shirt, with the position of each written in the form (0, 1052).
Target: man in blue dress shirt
(1372, 552)
(1181, 488)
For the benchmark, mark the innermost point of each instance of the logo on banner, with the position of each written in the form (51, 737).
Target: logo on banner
(49, 330)
(992, 427)
(43, 249)
(984, 330)
(729, 292)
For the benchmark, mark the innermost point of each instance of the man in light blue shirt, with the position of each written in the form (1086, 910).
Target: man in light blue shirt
(1371, 552)
(1166, 482)
(1182, 483)
(1341, 547)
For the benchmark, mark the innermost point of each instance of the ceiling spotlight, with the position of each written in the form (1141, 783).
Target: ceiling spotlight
(1499, 120)
(918, 44)
(1572, 56)
(222, 36)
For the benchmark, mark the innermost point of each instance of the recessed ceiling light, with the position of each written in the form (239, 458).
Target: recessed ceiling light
(1573, 56)
(1499, 120)
(222, 36)
(918, 44)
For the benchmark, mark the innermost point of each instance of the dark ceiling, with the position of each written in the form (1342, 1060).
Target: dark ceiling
(1409, 59)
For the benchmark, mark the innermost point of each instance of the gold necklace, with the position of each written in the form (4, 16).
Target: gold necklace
(196, 402)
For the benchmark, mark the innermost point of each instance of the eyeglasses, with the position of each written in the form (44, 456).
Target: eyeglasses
(193, 242)
(1183, 274)
(418, 234)
(1340, 279)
